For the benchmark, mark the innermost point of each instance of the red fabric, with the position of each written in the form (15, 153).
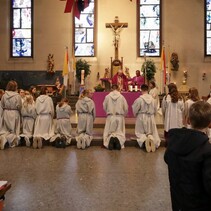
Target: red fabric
(86, 3)
(69, 5)
(124, 78)
(76, 10)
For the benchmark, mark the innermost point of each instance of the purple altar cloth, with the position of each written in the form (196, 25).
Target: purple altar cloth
(98, 98)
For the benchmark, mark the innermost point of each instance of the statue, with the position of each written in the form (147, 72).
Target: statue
(50, 63)
(127, 73)
(106, 74)
(174, 61)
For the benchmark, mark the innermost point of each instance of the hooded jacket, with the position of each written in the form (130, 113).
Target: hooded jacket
(86, 105)
(11, 100)
(115, 104)
(188, 157)
(144, 105)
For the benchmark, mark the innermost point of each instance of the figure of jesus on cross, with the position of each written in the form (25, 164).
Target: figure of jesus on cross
(116, 28)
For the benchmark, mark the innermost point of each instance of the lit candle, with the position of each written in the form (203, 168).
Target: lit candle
(130, 88)
(136, 88)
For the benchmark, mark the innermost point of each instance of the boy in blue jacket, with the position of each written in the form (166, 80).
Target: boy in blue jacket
(188, 157)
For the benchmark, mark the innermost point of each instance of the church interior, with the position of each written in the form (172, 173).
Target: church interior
(96, 178)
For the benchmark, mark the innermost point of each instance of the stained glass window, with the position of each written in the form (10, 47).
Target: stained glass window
(21, 28)
(208, 28)
(149, 27)
(84, 31)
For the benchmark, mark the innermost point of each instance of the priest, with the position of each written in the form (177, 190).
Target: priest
(121, 80)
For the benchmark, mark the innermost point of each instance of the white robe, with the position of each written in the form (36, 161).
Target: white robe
(116, 108)
(44, 122)
(172, 113)
(85, 109)
(154, 93)
(11, 104)
(63, 123)
(209, 100)
(144, 109)
(28, 114)
(187, 106)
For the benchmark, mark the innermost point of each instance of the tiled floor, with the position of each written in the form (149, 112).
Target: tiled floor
(52, 179)
(92, 179)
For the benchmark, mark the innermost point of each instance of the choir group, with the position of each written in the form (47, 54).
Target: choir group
(26, 117)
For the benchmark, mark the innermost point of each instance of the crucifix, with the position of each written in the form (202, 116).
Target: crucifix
(116, 28)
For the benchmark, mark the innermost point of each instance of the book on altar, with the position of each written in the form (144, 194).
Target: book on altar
(3, 184)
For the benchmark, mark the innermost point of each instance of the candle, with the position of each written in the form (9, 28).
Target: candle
(136, 88)
(82, 77)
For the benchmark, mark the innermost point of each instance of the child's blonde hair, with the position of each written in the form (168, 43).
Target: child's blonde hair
(84, 93)
(28, 101)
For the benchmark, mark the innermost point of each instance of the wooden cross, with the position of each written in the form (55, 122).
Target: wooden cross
(116, 27)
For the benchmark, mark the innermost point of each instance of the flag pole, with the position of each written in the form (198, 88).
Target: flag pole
(73, 68)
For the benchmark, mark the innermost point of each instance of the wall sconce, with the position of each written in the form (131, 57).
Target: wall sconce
(185, 77)
(204, 76)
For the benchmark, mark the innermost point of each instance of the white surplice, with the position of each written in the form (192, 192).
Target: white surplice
(44, 122)
(28, 114)
(144, 109)
(116, 108)
(187, 106)
(155, 94)
(63, 124)
(85, 109)
(11, 104)
(172, 113)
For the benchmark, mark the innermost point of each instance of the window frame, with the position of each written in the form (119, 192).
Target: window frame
(94, 33)
(11, 30)
(139, 32)
(205, 30)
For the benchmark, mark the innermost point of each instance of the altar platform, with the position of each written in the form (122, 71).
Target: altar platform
(99, 125)
(98, 98)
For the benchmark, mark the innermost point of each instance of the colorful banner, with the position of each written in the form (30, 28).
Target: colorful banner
(66, 68)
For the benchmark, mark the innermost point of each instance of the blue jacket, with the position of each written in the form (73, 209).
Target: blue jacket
(188, 157)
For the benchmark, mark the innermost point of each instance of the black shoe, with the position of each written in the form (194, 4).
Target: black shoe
(22, 142)
(111, 143)
(117, 144)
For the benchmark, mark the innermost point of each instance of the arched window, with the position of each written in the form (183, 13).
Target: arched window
(84, 39)
(207, 27)
(21, 28)
(149, 27)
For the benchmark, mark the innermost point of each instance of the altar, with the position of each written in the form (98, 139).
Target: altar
(98, 98)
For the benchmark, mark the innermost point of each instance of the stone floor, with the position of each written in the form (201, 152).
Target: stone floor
(92, 179)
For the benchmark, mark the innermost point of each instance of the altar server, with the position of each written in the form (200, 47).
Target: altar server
(63, 124)
(172, 110)
(144, 109)
(43, 129)
(85, 109)
(28, 114)
(11, 104)
(116, 108)
(193, 96)
(154, 93)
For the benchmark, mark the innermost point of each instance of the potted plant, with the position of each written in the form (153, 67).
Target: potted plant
(99, 88)
(148, 69)
(82, 65)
